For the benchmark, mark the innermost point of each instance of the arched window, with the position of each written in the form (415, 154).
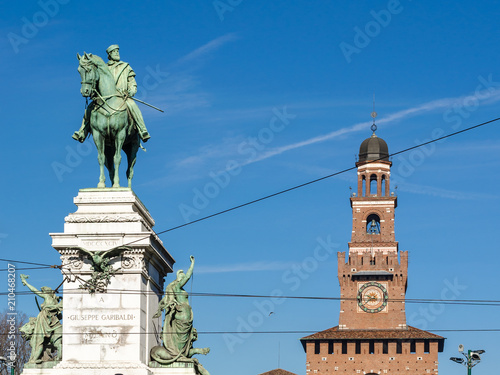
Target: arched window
(373, 184)
(373, 224)
(382, 188)
(363, 187)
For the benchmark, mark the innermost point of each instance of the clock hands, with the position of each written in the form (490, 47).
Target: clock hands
(372, 297)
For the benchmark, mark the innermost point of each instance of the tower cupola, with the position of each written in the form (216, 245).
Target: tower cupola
(373, 148)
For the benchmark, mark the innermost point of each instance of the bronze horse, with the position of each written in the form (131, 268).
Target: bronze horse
(110, 124)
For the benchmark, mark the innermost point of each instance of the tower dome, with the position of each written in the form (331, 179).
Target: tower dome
(373, 148)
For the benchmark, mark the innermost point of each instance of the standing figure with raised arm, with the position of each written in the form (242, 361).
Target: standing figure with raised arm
(178, 333)
(44, 333)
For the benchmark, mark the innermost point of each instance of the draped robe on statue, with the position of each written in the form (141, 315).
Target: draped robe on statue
(178, 332)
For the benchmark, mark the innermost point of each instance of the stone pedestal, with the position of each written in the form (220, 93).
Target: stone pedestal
(112, 332)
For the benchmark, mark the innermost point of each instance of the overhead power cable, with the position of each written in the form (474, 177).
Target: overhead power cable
(23, 262)
(96, 334)
(467, 302)
(325, 177)
(30, 268)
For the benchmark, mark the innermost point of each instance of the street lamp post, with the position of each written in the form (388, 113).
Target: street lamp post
(472, 358)
(4, 361)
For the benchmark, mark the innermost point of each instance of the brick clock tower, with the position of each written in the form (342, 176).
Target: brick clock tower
(372, 336)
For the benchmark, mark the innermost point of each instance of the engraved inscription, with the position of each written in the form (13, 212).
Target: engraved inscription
(96, 244)
(101, 317)
(101, 335)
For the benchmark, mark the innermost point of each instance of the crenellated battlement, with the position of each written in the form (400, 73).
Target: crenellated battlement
(373, 260)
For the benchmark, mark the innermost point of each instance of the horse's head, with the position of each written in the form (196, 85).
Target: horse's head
(89, 74)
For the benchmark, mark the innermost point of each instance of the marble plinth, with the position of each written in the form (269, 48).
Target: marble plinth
(112, 332)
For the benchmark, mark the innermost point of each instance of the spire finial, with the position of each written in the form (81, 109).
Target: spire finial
(374, 114)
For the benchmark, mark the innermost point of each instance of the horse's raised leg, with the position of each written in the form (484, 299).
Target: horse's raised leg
(99, 143)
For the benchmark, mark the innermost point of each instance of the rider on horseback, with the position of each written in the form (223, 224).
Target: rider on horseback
(125, 83)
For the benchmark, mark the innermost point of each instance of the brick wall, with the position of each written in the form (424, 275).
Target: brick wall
(417, 363)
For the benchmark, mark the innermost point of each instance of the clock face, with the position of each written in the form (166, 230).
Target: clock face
(372, 297)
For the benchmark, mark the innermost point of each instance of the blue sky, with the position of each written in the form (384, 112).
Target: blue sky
(223, 74)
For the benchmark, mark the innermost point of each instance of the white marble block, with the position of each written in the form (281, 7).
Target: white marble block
(110, 333)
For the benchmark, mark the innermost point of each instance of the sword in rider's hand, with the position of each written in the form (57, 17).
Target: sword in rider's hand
(126, 95)
(149, 105)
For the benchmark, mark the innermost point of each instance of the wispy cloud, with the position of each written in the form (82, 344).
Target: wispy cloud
(207, 48)
(434, 105)
(486, 146)
(220, 152)
(216, 155)
(443, 193)
(307, 142)
(183, 94)
(246, 267)
(180, 89)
